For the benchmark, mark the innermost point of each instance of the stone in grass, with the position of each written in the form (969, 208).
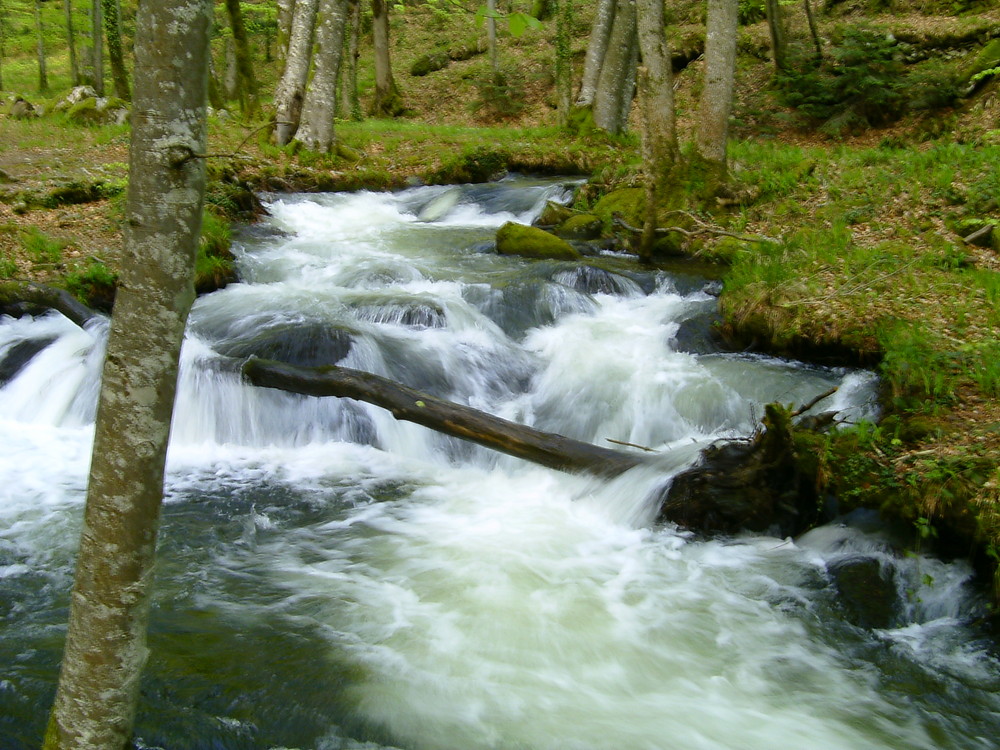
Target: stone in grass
(531, 242)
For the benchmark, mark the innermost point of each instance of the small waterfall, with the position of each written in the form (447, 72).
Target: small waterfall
(329, 577)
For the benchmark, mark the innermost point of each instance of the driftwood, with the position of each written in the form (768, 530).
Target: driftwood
(545, 448)
(18, 298)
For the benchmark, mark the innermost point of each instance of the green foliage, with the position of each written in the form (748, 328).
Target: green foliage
(42, 249)
(8, 268)
(499, 95)
(862, 78)
(920, 372)
(94, 286)
(517, 23)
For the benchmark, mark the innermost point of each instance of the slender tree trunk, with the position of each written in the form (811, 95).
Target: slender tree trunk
(659, 137)
(215, 95)
(316, 130)
(491, 36)
(813, 30)
(116, 52)
(597, 48)
(285, 10)
(717, 92)
(563, 10)
(387, 100)
(246, 87)
(616, 85)
(292, 86)
(74, 68)
(43, 73)
(350, 104)
(231, 76)
(776, 25)
(3, 38)
(105, 644)
(97, 50)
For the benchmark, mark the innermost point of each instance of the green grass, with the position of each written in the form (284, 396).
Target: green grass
(42, 249)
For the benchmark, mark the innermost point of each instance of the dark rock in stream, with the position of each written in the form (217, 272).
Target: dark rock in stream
(19, 355)
(867, 590)
(308, 344)
(699, 334)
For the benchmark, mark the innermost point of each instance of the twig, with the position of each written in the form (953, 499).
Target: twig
(632, 445)
(703, 228)
(806, 407)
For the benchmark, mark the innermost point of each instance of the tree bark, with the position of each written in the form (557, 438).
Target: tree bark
(350, 105)
(564, 59)
(813, 30)
(545, 448)
(491, 36)
(776, 26)
(109, 607)
(659, 135)
(97, 48)
(43, 73)
(616, 85)
(116, 51)
(597, 48)
(316, 130)
(74, 68)
(286, 8)
(387, 100)
(292, 88)
(717, 92)
(246, 82)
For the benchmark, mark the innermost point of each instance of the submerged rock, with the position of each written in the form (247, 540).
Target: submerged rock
(867, 590)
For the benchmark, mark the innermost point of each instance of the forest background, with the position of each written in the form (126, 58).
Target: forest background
(870, 159)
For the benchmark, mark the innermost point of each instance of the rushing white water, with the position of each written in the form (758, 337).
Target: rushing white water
(331, 578)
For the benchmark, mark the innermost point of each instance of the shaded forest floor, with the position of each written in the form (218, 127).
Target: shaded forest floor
(871, 267)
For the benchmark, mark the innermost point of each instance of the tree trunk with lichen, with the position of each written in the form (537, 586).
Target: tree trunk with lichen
(387, 101)
(316, 128)
(616, 84)
(659, 135)
(291, 91)
(597, 48)
(110, 11)
(717, 92)
(246, 82)
(105, 649)
(350, 104)
(563, 10)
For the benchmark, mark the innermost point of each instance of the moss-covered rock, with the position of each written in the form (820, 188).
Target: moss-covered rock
(988, 58)
(580, 227)
(429, 63)
(531, 242)
(628, 203)
(553, 214)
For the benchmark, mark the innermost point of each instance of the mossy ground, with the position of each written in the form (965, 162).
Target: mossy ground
(869, 265)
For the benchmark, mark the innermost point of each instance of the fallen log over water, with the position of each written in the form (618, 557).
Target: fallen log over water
(753, 484)
(27, 297)
(545, 448)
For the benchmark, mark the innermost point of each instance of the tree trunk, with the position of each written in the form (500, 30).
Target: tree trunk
(597, 48)
(564, 59)
(387, 101)
(292, 86)
(116, 52)
(43, 74)
(316, 130)
(246, 86)
(659, 136)
(616, 85)
(105, 643)
(231, 75)
(776, 25)
(814, 31)
(74, 68)
(350, 105)
(286, 9)
(491, 36)
(717, 91)
(545, 448)
(97, 47)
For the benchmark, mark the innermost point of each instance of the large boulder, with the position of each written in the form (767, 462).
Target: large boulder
(628, 203)
(580, 227)
(531, 242)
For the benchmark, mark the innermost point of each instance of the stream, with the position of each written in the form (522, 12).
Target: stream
(330, 578)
